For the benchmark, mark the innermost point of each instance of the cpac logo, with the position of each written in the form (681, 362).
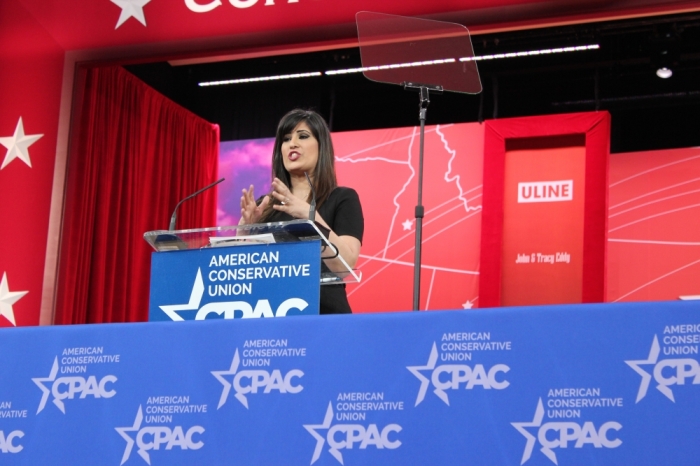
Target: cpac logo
(193, 5)
(7, 444)
(667, 372)
(229, 308)
(450, 376)
(68, 387)
(153, 437)
(553, 435)
(546, 191)
(249, 381)
(345, 436)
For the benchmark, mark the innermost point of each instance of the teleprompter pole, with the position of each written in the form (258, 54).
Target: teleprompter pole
(424, 100)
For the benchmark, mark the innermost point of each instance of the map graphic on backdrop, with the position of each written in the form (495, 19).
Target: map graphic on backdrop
(382, 165)
(654, 229)
(653, 225)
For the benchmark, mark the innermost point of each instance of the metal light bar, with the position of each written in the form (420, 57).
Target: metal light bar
(392, 66)
(264, 78)
(529, 53)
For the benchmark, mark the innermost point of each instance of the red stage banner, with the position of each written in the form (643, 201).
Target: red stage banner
(91, 24)
(545, 181)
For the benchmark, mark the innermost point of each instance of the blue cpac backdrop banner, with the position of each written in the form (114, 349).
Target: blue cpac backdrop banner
(248, 281)
(566, 385)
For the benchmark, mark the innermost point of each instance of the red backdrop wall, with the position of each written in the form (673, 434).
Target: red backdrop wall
(40, 41)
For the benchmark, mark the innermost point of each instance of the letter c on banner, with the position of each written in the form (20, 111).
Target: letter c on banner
(243, 3)
(197, 8)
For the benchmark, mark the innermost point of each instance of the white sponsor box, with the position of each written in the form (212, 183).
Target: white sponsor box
(546, 191)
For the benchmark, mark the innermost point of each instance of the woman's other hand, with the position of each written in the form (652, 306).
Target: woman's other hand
(250, 211)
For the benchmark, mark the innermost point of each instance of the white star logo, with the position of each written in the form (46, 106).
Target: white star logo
(45, 392)
(129, 441)
(468, 305)
(424, 381)
(646, 377)
(8, 298)
(320, 440)
(18, 144)
(536, 422)
(407, 225)
(227, 385)
(192, 305)
(131, 8)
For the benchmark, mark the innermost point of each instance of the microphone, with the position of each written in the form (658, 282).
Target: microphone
(174, 217)
(312, 207)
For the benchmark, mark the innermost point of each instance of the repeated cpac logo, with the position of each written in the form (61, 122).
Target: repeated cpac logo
(71, 387)
(669, 372)
(229, 309)
(545, 191)
(553, 435)
(10, 443)
(157, 437)
(251, 381)
(347, 436)
(452, 376)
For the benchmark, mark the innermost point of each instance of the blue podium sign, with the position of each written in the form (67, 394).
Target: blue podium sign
(251, 281)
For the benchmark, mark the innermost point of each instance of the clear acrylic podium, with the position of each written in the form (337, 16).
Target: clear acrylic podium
(259, 233)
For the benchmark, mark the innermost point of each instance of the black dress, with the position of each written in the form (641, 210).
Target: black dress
(342, 212)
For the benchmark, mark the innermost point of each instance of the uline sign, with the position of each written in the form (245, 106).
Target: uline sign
(546, 191)
(204, 6)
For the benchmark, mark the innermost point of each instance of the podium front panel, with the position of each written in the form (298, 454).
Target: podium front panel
(253, 281)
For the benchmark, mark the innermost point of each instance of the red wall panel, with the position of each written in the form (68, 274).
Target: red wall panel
(30, 89)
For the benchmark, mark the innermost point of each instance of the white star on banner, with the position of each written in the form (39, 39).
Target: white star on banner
(8, 298)
(468, 305)
(407, 225)
(17, 145)
(131, 8)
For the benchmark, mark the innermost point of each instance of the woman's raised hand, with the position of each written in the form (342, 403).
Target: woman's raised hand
(288, 202)
(250, 211)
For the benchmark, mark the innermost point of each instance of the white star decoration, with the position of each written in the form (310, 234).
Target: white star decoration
(468, 305)
(8, 298)
(17, 145)
(320, 439)
(192, 305)
(407, 225)
(131, 8)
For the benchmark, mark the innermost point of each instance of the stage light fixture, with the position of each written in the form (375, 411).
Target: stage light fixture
(664, 73)
(528, 53)
(261, 79)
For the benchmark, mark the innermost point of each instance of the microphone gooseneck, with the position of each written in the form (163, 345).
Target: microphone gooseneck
(173, 219)
(312, 207)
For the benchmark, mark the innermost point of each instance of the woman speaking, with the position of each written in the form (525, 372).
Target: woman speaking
(303, 146)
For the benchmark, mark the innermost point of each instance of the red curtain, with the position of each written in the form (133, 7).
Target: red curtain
(134, 154)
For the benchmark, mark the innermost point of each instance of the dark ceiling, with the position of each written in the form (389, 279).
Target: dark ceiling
(647, 112)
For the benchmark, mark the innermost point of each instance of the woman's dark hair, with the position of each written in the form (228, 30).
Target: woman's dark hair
(323, 177)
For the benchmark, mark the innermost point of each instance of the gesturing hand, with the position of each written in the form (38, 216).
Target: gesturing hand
(250, 211)
(289, 203)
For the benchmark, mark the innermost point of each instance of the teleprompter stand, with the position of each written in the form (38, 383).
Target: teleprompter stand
(413, 52)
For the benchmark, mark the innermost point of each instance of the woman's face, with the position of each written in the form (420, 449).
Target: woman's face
(300, 150)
